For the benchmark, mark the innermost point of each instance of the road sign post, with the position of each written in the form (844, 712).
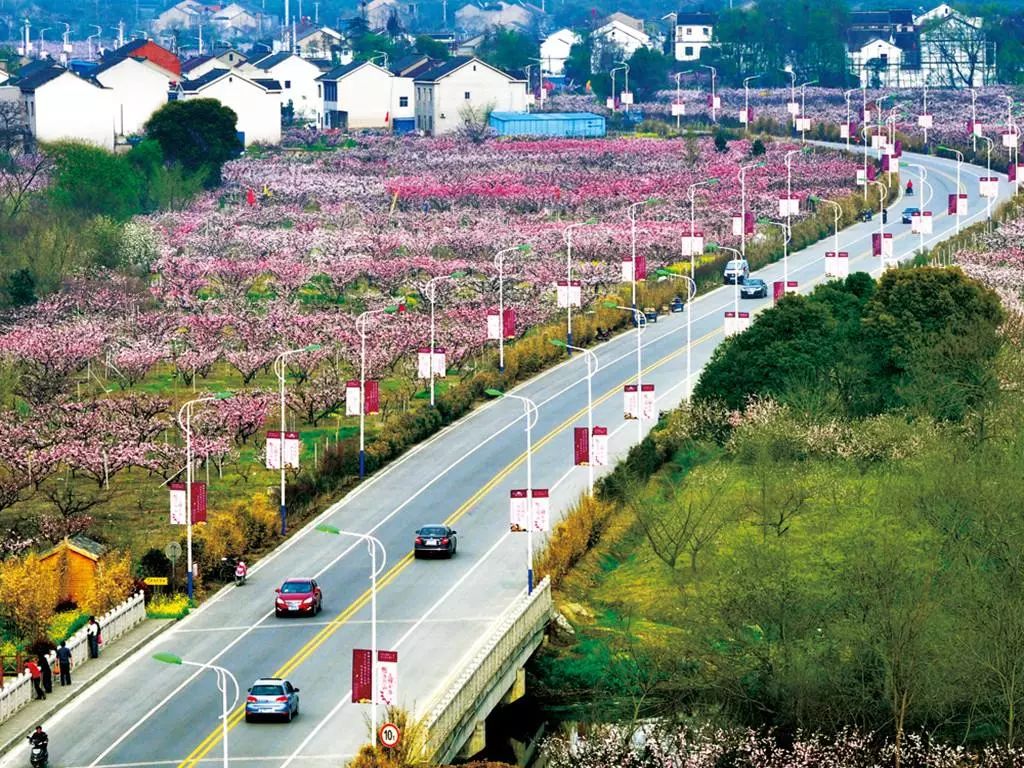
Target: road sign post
(390, 735)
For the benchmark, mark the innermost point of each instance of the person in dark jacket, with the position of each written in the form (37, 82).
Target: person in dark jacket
(64, 663)
(92, 633)
(47, 672)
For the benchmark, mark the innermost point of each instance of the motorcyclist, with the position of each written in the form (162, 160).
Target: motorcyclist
(39, 739)
(241, 571)
(910, 186)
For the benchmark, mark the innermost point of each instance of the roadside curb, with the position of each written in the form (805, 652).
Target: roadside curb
(79, 689)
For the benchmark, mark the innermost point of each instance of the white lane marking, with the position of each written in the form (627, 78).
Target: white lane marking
(219, 760)
(443, 599)
(292, 625)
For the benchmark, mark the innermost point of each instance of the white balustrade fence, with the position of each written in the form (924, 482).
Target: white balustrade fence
(520, 623)
(114, 623)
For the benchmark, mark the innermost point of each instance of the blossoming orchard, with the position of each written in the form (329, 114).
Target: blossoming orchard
(224, 287)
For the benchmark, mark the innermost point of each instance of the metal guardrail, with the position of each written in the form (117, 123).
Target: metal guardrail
(519, 624)
(114, 623)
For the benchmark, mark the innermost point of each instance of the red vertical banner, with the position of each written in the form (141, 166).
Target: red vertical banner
(510, 323)
(899, 149)
(886, 163)
(198, 503)
(362, 675)
(371, 395)
(581, 447)
(872, 172)
(748, 222)
(641, 267)
(951, 205)
(778, 289)
(1011, 172)
(876, 244)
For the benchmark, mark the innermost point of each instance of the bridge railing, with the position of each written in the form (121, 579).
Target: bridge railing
(518, 626)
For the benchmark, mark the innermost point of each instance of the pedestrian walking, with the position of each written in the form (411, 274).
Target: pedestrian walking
(92, 633)
(37, 678)
(64, 663)
(44, 667)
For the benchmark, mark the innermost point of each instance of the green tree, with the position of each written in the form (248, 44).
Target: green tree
(648, 73)
(507, 49)
(198, 133)
(20, 287)
(428, 46)
(577, 66)
(90, 181)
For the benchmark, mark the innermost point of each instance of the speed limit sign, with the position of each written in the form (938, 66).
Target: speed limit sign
(389, 735)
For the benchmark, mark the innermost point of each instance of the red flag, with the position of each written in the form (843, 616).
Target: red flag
(387, 116)
(250, 197)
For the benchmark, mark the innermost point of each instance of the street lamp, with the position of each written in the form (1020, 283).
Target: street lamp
(223, 675)
(185, 422)
(280, 370)
(567, 236)
(792, 92)
(532, 414)
(803, 106)
(692, 192)
(625, 88)
(988, 168)
(924, 113)
(540, 79)
(379, 54)
(959, 162)
(591, 370)
(692, 288)
(837, 211)
(846, 95)
(430, 291)
(974, 120)
(361, 322)
(632, 236)
(786, 237)
(612, 72)
(923, 177)
(883, 195)
(714, 75)
(736, 283)
(789, 182)
(499, 262)
(679, 99)
(641, 324)
(743, 204)
(746, 100)
(372, 544)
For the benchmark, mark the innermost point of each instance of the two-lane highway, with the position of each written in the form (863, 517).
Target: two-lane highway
(433, 612)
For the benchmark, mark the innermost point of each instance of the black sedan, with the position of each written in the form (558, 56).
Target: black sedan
(436, 540)
(754, 288)
(908, 214)
(677, 304)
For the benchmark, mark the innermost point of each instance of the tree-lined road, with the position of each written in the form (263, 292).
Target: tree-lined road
(434, 613)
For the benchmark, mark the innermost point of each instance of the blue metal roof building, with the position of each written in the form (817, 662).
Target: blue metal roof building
(561, 124)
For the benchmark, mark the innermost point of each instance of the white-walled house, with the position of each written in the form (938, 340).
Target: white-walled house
(694, 33)
(298, 80)
(444, 93)
(4, 77)
(554, 50)
(622, 33)
(321, 43)
(256, 101)
(137, 90)
(60, 105)
(197, 66)
(364, 95)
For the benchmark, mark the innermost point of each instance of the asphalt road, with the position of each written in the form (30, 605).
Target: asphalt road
(434, 613)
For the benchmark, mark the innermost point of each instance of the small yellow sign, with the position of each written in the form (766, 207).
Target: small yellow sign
(156, 581)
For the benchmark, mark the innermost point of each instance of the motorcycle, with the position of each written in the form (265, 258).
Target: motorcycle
(39, 756)
(240, 578)
(910, 190)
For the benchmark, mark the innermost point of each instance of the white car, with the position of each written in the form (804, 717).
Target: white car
(736, 271)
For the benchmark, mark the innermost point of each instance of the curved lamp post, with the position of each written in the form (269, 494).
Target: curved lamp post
(532, 414)
(280, 370)
(692, 288)
(567, 237)
(641, 325)
(592, 366)
(499, 262)
(959, 162)
(223, 675)
(361, 323)
(185, 422)
(430, 291)
(373, 545)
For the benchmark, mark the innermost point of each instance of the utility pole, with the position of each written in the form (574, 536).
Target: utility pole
(316, 14)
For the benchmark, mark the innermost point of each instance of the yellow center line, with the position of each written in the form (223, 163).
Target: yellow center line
(213, 738)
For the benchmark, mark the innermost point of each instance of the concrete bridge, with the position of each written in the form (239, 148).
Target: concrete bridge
(456, 724)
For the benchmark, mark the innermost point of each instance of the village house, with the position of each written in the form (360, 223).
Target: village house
(60, 105)
(322, 43)
(150, 51)
(479, 17)
(256, 101)
(694, 32)
(554, 50)
(138, 88)
(622, 34)
(462, 89)
(299, 87)
(233, 20)
(364, 95)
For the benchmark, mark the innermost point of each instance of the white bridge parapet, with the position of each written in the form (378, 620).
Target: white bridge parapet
(488, 676)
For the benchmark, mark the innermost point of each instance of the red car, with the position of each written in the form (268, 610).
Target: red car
(298, 596)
